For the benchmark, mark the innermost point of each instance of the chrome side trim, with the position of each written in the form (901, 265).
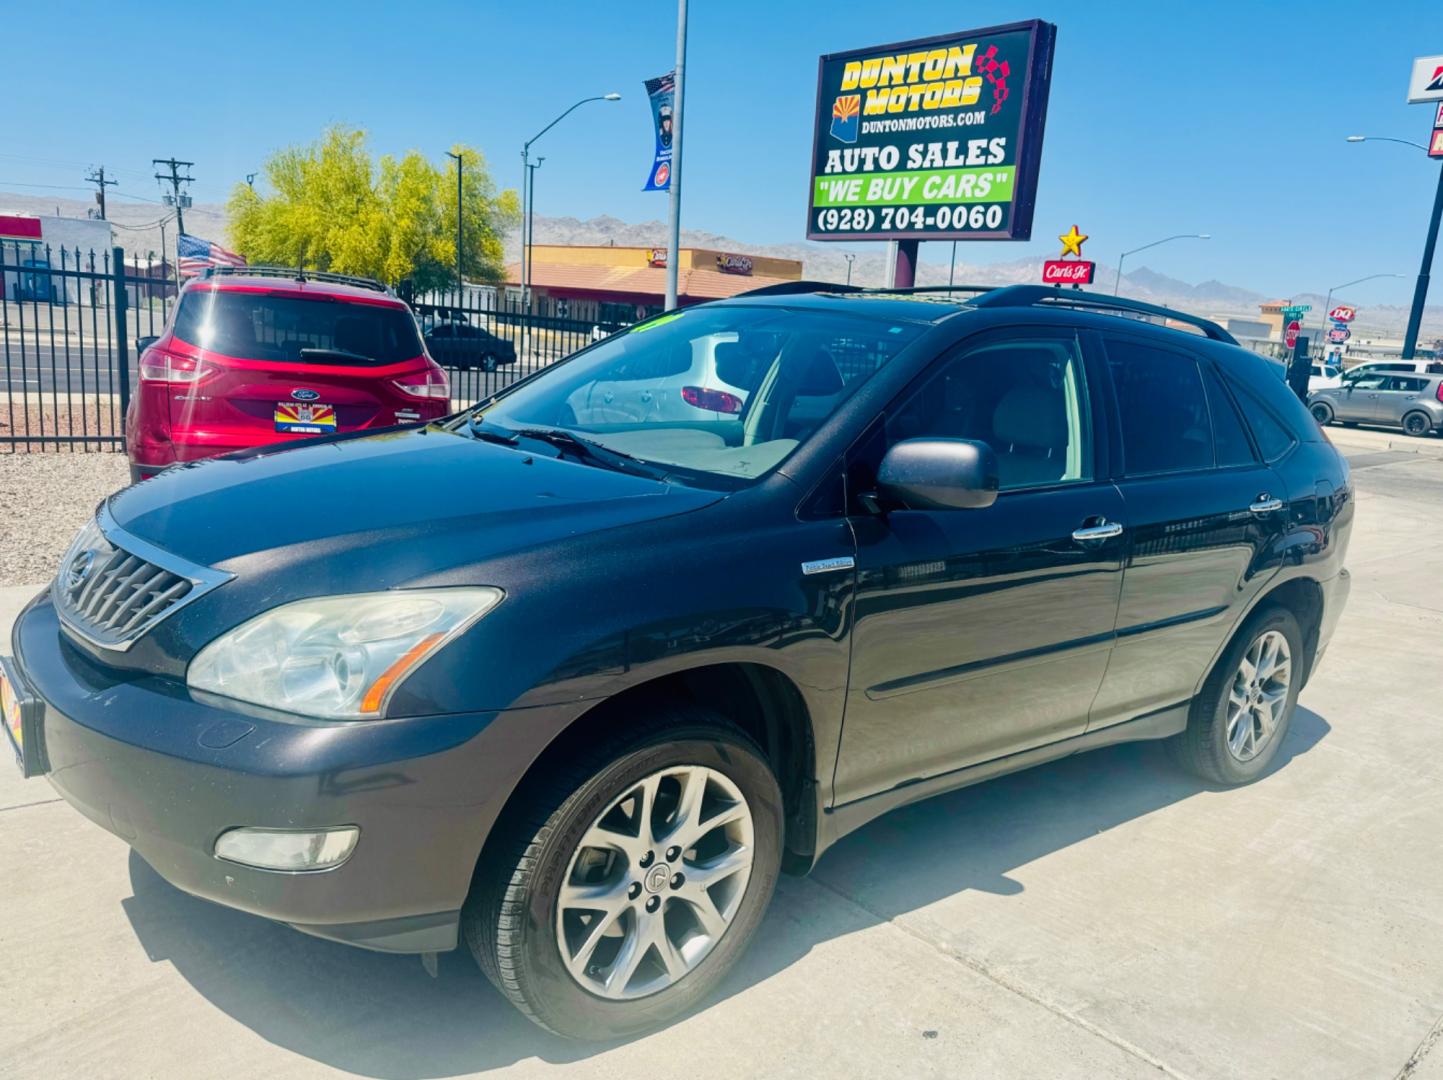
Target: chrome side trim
(826, 566)
(203, 579)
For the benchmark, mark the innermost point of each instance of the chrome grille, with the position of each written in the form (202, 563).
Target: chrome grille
(113, 587)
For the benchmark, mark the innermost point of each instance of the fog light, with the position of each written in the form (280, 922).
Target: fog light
(288, 849)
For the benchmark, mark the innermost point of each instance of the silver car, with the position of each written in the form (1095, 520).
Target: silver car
(1413, 402)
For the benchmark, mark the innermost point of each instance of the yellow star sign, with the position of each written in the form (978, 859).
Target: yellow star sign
(1072, 242)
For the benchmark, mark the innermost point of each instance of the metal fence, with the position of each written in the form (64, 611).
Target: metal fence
(68, 319)
(71, 322)
(463, 326)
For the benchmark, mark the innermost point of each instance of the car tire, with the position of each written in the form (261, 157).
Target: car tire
(1417, 424)
(1322, 413)
(529, 940)
(1215, 744)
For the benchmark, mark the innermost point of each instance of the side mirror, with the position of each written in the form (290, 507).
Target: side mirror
(940, 474)
(141, 344)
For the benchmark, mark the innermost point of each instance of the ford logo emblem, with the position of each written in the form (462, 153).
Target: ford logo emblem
(305, 395)
(78, 570)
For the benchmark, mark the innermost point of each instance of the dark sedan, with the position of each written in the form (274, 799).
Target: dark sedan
(461, 345)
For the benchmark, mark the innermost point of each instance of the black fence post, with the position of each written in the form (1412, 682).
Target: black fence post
(122, 340)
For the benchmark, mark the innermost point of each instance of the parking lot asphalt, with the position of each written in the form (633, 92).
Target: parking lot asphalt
(1105, 915)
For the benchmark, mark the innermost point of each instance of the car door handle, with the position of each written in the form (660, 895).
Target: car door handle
(1266, 504)
(1105, 531)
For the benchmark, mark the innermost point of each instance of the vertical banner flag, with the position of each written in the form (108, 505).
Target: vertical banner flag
(660, 91)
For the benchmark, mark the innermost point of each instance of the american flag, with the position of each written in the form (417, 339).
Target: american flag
(195, 255)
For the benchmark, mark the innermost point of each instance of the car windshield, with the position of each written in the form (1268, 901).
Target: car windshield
(263, 326)
(723, 392)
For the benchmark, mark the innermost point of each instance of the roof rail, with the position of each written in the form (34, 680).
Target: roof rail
(1031, 295)
(787, 288)
(295, 273)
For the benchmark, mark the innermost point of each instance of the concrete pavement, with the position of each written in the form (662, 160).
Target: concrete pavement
(1101, 916)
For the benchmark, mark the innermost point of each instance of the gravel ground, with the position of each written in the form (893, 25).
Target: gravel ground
(45, 499)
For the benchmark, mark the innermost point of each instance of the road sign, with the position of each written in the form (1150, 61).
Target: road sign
(1292, 311)
(1339, 334)
(1290, 336)
(1343, 313)
(1427, 81)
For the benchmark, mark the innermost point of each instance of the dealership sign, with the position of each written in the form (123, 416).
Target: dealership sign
(935, 139)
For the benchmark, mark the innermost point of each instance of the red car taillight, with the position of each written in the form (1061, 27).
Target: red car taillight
(712, 400)
(159, 366)
(431, 383)
(1439, 393)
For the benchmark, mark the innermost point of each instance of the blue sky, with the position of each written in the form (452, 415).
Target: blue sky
(1224, 117)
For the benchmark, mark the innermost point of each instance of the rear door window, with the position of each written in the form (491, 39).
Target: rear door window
(1162, 407)
(262, 326)
(1273, 439)
(1230, 437)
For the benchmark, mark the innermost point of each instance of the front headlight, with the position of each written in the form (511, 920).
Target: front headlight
(338, 657)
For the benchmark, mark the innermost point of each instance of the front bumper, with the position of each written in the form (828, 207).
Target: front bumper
(168, 773)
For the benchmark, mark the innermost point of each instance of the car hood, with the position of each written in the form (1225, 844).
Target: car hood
(428, 497)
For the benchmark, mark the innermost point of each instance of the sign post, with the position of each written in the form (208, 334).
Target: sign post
(934, 139)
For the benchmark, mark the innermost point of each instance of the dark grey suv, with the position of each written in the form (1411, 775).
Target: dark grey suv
(568, 686)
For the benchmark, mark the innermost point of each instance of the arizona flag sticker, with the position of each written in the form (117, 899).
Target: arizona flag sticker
(305, 418)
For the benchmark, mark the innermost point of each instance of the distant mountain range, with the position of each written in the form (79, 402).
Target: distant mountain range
(136, 232)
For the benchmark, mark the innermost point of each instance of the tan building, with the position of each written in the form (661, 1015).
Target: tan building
(1271, 313)
(622, 284)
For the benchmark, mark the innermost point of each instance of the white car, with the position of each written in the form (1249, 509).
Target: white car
(654, 389)
(1324, 377)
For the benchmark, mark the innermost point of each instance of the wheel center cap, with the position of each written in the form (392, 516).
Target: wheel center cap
(657, 878)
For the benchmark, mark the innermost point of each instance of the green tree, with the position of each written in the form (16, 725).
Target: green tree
(332, 207)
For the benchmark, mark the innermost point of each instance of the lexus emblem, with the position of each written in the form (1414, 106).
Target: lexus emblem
(79, 569)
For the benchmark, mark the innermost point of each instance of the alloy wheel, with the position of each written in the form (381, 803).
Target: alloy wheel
(655, 882)
(1415, 424)
(1258, 696)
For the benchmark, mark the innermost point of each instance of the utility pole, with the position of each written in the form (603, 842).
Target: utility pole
(97, 177)
(673, 253)
(175, 180)
(457, 159)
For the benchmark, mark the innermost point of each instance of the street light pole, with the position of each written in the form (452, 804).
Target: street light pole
(530, 222)
(1430, 244)
(526, 172)
(1420, 291)
(673, 253)
(1328, 301)
(459, 290)
(850, 259)
(1117, 282)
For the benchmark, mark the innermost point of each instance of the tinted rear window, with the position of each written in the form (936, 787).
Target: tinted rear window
(257, 326)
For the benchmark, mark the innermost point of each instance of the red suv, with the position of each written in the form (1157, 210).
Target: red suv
(256, 356)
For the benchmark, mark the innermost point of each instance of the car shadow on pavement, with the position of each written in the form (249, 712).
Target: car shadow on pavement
(382, 1016)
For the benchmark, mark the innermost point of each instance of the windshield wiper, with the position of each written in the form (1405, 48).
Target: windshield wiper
(593, 452)
(492, 432)
(338, 355)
